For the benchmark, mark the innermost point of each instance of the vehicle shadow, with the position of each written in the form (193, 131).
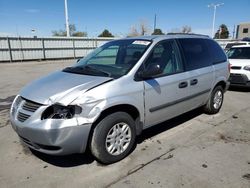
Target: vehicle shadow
(67, 160)
(169, 124)
(87, 158)
(239, 89)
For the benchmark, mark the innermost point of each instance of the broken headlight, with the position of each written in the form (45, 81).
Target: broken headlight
(61, 112)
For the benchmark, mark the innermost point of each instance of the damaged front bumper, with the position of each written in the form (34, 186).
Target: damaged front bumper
(51, 136)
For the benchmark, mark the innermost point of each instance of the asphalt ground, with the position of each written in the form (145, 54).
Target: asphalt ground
(192, 150)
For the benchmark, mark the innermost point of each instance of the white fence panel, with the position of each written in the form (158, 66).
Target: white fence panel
(24, 48)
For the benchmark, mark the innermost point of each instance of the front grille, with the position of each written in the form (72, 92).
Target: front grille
(238, 78)
(22, 117)
(26, 108)
(30, 106)
(236, 67)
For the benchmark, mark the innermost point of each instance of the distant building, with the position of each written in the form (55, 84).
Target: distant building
(243, 30)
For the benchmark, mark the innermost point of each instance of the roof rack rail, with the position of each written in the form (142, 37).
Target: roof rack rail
(187, 34)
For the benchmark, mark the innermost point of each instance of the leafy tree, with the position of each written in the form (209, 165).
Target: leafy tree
(79, 34)
(157, 32)
(105, 33)
(133, 32)
(72, 31)
(186, 29)
(222, 32)
(59, 33)
(139, 29)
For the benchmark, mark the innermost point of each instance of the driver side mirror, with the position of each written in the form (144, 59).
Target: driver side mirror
(152, 70)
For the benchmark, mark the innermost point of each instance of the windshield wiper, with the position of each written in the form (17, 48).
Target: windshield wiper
(88, 70)
(87, 67)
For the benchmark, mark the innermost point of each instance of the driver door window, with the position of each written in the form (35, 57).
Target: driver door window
(166, 54)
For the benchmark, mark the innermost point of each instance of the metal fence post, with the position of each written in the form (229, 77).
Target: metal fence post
(9, 46)
(21, 48)
(44, 56)
(74, 49)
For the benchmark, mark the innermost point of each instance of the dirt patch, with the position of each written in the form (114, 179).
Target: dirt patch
(204, 165)
(246, 176)
(168, 157)
(227, 139)
(8, 99)
(25, 149)
(6, 103)
(4, 118)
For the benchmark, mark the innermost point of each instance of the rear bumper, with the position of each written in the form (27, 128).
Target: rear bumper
(239, 80)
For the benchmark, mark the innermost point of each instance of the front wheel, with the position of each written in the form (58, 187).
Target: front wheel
(113, 137)
(215, 101)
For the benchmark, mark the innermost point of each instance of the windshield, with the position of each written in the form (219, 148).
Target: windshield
(239, 53)
(113, 59)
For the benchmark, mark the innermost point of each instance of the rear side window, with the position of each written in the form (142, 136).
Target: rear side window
(216, 52)
(196, 53)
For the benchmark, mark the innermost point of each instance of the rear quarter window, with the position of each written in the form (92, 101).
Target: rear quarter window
(216, 52)
(196, 53)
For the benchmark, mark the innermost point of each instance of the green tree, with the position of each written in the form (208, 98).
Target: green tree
(72, 31)
(222, 32)
(157, 31)
(59, 33)
(105, 33)
(186, 29)
(79, 34)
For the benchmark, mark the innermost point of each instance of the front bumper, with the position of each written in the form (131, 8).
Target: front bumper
(51, 136)
(239, 79)
(61, 141)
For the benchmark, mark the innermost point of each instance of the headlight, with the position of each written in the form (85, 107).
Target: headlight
(247, 68)
(61, 112)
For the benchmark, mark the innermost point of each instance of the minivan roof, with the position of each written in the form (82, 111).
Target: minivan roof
(169, 36)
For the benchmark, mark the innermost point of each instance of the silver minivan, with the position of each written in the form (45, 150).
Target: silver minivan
(107, 98)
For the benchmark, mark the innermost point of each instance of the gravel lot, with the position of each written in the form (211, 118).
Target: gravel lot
(192, 150)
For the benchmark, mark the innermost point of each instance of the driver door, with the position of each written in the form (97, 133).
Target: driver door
(166, 94)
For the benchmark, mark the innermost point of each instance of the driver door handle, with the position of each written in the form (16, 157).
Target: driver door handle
(183, 84)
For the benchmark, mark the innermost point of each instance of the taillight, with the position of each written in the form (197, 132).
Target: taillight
(229, 67)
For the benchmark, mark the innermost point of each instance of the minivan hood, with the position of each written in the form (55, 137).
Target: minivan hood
(61, 87)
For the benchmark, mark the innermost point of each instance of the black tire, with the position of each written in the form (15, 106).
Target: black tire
(98, 145)
(210, 108)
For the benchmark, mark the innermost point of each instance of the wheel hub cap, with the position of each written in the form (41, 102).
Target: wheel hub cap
(217, 99)
(118, 138)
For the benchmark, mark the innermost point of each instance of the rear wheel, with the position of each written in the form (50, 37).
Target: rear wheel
(215, 101)
(113, 137)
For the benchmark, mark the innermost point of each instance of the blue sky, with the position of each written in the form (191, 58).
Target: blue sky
(19, 17)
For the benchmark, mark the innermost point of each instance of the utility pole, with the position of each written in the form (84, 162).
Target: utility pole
(66, 17)
(215, 7)
(234, 32)
(155, 23)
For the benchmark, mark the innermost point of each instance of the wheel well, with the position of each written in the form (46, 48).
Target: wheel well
(221, 83)
(131, 110)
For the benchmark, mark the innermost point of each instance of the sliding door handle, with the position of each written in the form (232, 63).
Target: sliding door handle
(183, 84)
(193, 82)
